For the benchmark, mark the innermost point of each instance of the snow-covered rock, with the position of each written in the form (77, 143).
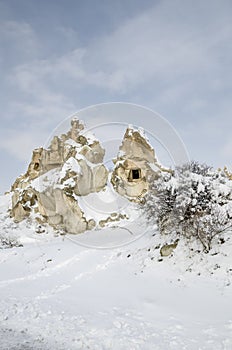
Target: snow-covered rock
(135, 163)
(70, 167)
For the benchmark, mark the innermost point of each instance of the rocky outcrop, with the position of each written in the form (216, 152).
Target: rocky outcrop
(135, 145)
(134, 164)
(82, 176)
(61, 210)
(227, 173)
(23, 201)
(167, 249)
(70, 167)
(33, 171)
(114, 217)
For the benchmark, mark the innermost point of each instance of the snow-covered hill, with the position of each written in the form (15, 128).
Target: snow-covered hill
(56, 293)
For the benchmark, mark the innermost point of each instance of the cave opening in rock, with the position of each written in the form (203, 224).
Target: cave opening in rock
(36, 166)
(135, 174)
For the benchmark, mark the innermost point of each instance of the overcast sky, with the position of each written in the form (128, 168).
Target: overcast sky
(57, 56)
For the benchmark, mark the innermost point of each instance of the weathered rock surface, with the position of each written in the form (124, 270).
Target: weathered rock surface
(134, 164)
(23, 200)
(70, 167)
(168, 249)
(61, 210)
(33, 171)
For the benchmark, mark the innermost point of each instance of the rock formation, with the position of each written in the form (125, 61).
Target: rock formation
(226, 171)
(134, 164)
(33, 171)
(167, 249)
(70, 167)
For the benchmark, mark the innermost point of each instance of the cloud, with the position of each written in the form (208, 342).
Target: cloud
(162, 47)
(18, 43)
(20, 144)
(174, 56)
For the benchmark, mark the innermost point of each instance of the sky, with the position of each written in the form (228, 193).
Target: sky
(60, 56)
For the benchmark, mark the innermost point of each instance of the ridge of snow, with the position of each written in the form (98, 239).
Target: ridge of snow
(70, 165)
(73, 143)
(49, 179)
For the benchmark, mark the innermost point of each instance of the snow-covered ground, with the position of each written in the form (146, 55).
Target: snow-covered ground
(58, 294)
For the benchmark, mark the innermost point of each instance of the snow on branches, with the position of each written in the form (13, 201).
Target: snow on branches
(194, 201)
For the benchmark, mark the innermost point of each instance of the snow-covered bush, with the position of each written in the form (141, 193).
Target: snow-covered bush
(194, 201)
(9, 242)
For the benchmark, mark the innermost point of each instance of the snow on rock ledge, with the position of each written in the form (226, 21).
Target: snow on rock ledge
(70, 167)
(134, 164)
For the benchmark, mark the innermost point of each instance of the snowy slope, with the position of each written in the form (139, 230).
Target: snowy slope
(58, 294)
